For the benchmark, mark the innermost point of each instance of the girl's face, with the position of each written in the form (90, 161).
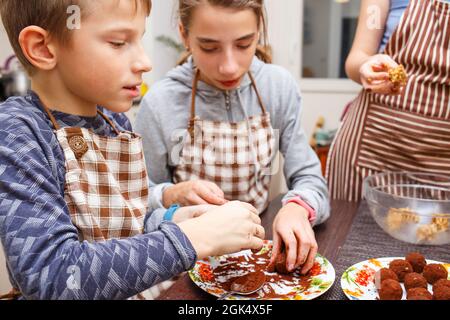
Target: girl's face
(223, 43)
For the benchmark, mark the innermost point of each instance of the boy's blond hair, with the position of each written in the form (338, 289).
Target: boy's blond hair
(51, 15)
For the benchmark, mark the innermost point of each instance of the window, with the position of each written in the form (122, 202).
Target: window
(328, 32)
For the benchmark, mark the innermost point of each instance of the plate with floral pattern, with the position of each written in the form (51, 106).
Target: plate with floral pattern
(215, 275)
(358, 283)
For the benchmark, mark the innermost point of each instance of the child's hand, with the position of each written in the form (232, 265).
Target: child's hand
(292, 227)
(375, 77)
(186, 213)
(192, 193)
(230, 228)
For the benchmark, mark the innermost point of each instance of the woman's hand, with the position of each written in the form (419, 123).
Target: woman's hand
(192, 193)
(374, 75)
(230, 228)
(191, 212)
(292, 228)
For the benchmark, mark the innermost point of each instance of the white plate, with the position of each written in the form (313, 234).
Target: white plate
(357, 282)
(210, 275)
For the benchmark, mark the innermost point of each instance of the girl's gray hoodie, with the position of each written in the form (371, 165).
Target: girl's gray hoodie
(165, 111)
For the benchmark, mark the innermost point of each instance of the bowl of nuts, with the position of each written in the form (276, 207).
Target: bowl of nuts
(409, 206)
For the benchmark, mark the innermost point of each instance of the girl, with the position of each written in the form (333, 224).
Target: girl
(212, 127)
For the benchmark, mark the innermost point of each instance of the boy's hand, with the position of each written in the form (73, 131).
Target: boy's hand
(375, 75)
(230, 228)
(192, 193)
(292, 227)
(186, 213)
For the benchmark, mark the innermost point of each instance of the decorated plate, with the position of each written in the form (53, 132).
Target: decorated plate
(357, 282)
(215, 275)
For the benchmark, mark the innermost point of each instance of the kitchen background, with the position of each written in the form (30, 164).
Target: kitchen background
(310, 38)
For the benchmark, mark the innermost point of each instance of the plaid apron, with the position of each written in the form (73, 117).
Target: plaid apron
(106, 185)
(235, 156)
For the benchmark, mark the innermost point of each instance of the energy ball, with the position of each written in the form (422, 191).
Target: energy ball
(390, 290)
(417, 261)
(415, 280)
(279, 265)
(384, 274)
(434, 272)
(401, 268)
(441, 292)
(441, 282)
(418, 294)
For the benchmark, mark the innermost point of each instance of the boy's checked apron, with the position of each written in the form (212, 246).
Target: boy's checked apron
(106, 186)
(410, 132)
(235, 156)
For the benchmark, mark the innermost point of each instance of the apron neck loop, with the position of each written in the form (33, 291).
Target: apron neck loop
(52, 118)
(108, 120)
(194, 93)
(57, 127)
(261, 103)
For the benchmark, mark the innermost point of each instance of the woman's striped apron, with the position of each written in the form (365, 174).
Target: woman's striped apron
(410, 132)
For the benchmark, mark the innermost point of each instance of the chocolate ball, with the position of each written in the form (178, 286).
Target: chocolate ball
(401, 268)
(418, 294)
(384, 274)
(434, 272)
(441, 293)
(390, 290)
(417, 261)
(415, 280)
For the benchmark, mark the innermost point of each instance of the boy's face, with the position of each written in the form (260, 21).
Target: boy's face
(105, 60)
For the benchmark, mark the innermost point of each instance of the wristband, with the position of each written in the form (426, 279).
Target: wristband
(168, 216)
(311, 212)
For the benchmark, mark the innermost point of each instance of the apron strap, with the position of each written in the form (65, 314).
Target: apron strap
(107, 119)
(194, 93)
(261, 103)
(52, 118)
(14, 294)
(57, 127)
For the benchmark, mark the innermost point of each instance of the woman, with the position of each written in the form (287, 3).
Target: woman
(213, 125)
(387, 129)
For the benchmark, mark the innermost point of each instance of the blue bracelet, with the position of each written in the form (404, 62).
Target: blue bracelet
(168, 216)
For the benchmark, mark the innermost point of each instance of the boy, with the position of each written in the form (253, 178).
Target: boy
(73, 185)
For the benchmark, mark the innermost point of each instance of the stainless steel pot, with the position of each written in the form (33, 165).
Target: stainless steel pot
(13, 82)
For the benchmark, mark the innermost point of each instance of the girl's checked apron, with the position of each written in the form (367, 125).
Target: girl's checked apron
(410, 132)
(235, 156)
(106, 185)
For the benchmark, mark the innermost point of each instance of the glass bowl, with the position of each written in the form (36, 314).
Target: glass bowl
(411, 207)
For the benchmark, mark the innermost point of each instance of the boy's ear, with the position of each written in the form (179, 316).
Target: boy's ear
(37, 48)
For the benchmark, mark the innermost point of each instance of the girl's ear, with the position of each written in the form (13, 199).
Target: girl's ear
(183, 35)
(37, 47)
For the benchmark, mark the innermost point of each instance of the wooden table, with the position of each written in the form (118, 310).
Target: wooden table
(330, 237)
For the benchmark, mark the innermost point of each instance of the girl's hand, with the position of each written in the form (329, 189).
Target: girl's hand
(375, 77)
(186, 213)
(191, 193)
(230, 228)
(292, 228)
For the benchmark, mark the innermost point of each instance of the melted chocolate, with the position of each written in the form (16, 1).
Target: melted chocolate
(249, 283)
(233, 269)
